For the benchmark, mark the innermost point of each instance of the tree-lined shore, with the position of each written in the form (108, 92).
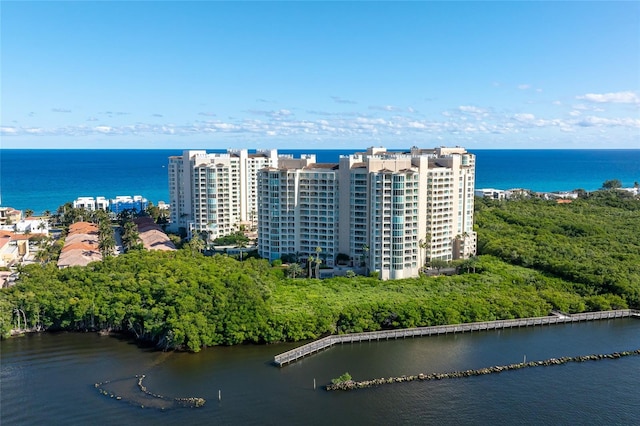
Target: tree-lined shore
(534, 256)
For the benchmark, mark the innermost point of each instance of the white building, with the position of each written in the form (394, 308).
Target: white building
(31, 225)
(216, 192)
(494, 194)
(388, 211)
(91, 204)
(126, 202)
(635, 190)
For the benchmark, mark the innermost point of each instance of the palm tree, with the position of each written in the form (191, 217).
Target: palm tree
(99, 216)
(48, 250)
(130, 235)
(294, 270)
(365, 253)
(106, 240)
(309, 263)
(125, 216)
(196, 244)
(28, 213)
(43, 255)
(423, 245)
(241, 244)
(318, 261)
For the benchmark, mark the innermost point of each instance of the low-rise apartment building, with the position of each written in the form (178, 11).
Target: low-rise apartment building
(114, 205)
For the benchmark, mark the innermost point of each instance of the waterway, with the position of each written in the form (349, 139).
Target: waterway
(50, 379)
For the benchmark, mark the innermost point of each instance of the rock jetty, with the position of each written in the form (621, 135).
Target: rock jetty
(162, 402)
(351, 384)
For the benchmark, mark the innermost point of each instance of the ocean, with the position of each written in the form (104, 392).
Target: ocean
(46, 179)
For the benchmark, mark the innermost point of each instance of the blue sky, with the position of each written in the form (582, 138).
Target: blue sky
(214, 75)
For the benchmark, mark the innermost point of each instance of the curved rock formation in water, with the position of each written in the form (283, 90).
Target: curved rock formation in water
(136, 393)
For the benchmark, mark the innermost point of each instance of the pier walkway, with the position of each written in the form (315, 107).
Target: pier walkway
(556, 318)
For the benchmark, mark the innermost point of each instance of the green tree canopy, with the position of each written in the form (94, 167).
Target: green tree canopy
(611, 184)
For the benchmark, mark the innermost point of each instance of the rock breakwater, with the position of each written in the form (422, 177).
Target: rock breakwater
(351, 384)
(118, 390)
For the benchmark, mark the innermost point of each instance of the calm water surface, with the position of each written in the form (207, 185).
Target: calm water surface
(49, 379)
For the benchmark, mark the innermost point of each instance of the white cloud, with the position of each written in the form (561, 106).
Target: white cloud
(583, 107)
(282, 113)
(384, 108)
(524, 86)
(416, 125)
(593, 121)
(473, 109)
(524, 117)
(627, 97)
(370, 120)
(273, 114)
(225, 126)
(339, 100)
(8, 130)
(456, 125)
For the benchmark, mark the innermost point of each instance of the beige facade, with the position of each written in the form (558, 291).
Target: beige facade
(389, 212)
(298, 210)
(215, 193)
(9, 215)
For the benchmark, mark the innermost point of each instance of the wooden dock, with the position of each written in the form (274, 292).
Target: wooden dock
(556, 318)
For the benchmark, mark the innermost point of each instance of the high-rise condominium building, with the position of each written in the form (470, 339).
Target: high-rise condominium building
(214, 193)
(383, 211)
(298, 210)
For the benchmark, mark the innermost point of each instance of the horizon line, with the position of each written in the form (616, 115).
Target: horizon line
(313, 149)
